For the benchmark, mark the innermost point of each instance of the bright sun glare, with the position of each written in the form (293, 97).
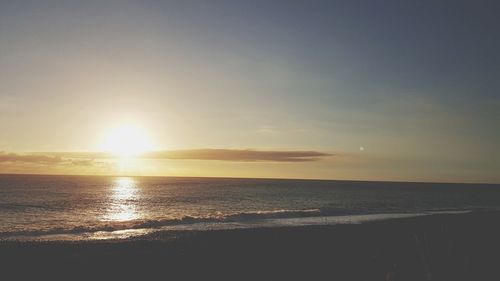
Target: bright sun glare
(127, 141)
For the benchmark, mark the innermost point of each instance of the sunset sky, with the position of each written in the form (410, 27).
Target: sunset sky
(368, 90)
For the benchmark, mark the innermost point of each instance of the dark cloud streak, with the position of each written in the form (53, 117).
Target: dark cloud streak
(234, 155)
(30, 158)
(239, 155)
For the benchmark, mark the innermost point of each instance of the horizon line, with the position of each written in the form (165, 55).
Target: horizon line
(256, 178)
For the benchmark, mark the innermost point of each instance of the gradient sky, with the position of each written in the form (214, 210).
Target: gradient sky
(416, 84)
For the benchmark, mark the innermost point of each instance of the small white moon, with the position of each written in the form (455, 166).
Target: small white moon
(361, 148)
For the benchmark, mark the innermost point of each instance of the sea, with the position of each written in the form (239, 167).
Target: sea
(42, 207)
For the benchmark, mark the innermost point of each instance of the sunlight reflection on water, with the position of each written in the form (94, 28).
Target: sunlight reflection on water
(123, 201)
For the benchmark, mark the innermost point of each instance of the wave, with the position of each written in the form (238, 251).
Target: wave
(187, 220)
(16, 206)
(139, 224)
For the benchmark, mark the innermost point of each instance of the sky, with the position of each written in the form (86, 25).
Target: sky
(363, 90)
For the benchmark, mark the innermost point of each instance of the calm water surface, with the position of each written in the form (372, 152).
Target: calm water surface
(84, 207)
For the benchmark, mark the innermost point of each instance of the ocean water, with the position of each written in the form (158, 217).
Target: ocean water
(86, 207)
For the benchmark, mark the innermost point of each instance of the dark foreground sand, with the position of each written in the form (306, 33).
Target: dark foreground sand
(439, 247)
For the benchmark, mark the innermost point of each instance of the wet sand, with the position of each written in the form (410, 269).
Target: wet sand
(438, 247)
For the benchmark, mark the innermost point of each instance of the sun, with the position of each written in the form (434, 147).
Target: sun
(127, 141)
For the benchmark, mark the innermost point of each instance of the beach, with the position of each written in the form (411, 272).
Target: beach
(250, 140)
(435, 247)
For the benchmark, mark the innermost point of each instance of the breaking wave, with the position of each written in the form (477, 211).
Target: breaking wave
(243, 217)
(139, 224)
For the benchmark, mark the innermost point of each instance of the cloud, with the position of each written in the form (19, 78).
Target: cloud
(50, 158)
(235, 155)
(238, 155)
(30, 158)
(83, 162)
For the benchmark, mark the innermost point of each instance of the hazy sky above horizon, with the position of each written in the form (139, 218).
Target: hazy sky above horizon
(394, 90)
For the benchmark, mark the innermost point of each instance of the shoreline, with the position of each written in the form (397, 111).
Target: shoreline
(194, 225)
(435, 247)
